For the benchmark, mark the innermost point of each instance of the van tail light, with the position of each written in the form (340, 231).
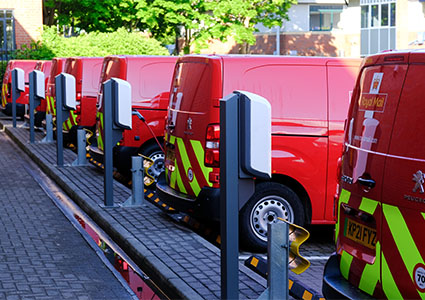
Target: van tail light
(78, 109)
(9, 90)
(212, 145)
(78, 96)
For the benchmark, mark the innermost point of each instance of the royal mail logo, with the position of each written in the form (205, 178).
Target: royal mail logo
(372, 102)
(418, 178)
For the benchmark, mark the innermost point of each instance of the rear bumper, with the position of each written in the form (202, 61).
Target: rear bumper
(206, 205)
(20, 110)
(337, 287)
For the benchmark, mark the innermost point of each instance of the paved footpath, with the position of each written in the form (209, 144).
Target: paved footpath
(180, 262)
(42, 256)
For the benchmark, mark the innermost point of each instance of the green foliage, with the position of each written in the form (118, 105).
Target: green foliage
(91, 15)
(198, 21)
(91, 44)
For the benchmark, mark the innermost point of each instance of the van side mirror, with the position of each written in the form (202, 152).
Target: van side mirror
(39, 84)
(122, 103)
(19, 76)
(255, 135)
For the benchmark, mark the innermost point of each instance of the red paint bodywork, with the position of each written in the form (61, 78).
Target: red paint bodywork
(86, 71)
(150, 78)
(27, 66)
(309, 99)
(385, 143)
(56, 68)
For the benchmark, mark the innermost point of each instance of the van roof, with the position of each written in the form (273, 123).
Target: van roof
(267, 59)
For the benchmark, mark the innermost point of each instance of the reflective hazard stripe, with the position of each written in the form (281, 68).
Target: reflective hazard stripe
(3, 95)
(368, 205)
(180, 184)
(345, 264)
(390, 287)
(186, 164)
(343, 198)
(402, 238)
(370, 275)
(199, 152)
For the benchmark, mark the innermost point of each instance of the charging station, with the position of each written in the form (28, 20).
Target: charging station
(117, 116)
(36, 93)
(65, 101)
(245, 154)
(18, 86)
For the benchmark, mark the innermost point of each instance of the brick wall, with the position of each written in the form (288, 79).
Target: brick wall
(28, 16)
(303, 44)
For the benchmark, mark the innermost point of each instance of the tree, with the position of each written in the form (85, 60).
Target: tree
(237, 18)
(91, 15)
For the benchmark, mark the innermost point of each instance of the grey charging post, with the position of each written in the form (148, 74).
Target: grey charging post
(245, 153)
(18, 86)
(36, 93)
(117, 116)
(65, 101)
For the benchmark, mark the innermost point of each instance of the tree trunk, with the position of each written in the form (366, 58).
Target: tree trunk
(244, 48)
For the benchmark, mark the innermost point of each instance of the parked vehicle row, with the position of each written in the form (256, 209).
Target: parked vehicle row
(309, 99)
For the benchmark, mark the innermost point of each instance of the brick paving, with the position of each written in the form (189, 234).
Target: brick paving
(42, 256)
(182, 263)
(171, 254)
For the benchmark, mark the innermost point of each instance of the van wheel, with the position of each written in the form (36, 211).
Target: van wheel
(157, 156)
(270, 201)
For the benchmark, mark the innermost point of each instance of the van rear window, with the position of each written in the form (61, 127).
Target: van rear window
(194, 81)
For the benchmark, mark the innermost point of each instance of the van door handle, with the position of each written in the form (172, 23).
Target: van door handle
(370, 183)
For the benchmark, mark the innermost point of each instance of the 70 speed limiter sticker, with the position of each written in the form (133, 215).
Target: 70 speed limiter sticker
(419, 277)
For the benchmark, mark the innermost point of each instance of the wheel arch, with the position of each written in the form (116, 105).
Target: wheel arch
(299, 190)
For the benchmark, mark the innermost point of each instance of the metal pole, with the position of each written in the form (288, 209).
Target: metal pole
(81, 145)
(49, 129)
(229, 195)
(278, 247)
(137, 186)
(32, 77)
(15, 96)
(277, 40)
(59, 120)
(108, 145)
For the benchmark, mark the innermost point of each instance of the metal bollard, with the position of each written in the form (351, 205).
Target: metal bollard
(277, 252)
(81, 145)
(49, 130)
(137, 187)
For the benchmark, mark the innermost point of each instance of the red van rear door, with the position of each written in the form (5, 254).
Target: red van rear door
(191, 110)
(403, 197)
(368, 133)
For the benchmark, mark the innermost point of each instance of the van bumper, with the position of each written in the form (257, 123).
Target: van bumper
(206, 205)
(337, 287)
(20, 110)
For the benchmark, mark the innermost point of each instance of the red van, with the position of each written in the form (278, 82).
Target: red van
(150, 78)
(380, 247)
(58, 64)
(6, 98)
(43, 66)
(309, 99)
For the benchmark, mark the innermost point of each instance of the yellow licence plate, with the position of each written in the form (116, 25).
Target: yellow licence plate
(360, 233)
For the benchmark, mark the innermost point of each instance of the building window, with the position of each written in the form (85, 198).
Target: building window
(7, 33)
(378, 30)
(325, 17)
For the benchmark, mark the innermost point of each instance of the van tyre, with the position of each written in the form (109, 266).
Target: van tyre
(155, 153)
(269, 201)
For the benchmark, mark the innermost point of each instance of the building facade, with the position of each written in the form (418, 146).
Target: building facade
(21, 21)
(351, 28)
